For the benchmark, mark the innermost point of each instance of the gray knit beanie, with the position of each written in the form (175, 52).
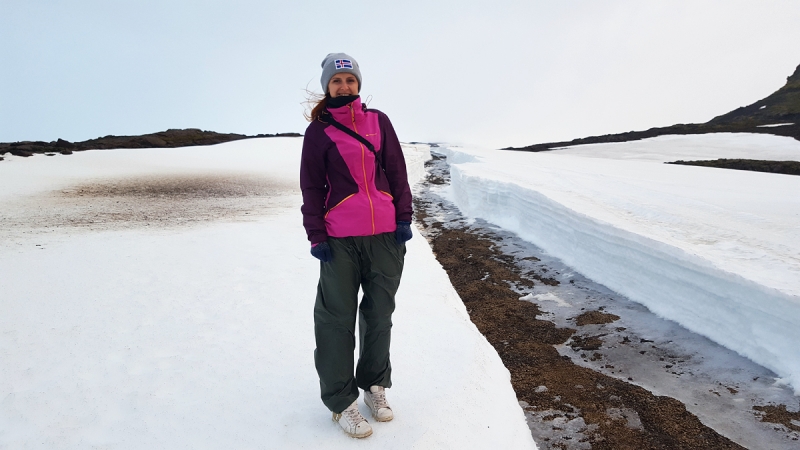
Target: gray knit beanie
(337, 63)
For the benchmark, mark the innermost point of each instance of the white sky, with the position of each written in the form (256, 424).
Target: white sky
(494, 74)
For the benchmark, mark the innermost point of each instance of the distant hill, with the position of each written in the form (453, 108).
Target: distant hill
(167, 139)
(780, 108)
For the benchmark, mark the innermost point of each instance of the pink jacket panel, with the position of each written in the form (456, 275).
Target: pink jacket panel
(369, 211)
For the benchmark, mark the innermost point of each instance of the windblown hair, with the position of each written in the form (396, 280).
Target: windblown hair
(319, 102)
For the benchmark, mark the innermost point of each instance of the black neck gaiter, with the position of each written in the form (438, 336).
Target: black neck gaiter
(338, 102)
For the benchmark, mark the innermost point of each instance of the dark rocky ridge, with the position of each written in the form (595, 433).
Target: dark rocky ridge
(782, 106)
(166, 139)
(784, 167)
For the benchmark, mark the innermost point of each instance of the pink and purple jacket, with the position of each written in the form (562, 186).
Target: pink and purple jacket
(346, 192)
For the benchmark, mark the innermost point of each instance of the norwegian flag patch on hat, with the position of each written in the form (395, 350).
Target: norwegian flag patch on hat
(343, 64)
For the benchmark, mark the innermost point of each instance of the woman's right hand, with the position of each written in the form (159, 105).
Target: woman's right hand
(322, 251)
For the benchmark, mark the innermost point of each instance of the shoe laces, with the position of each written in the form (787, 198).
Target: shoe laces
(353, 415)
(379, 399)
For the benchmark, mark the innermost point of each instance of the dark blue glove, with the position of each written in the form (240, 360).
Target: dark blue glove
(322, 252)
(403, 232)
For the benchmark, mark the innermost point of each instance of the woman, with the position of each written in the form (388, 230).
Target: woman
(357, 214)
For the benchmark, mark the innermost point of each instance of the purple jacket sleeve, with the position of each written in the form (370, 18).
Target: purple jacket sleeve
(314, 184)
(395, 168)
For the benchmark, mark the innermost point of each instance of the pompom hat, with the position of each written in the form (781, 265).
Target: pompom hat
(337, 63)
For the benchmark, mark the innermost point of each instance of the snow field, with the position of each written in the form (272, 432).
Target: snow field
(201, 335)
(715, 250)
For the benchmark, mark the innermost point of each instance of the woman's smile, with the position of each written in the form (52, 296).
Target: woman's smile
(343, 84)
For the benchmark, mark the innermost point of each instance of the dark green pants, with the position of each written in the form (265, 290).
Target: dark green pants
(375, 263)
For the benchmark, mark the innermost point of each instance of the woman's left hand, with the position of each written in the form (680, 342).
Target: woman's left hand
(403, 232)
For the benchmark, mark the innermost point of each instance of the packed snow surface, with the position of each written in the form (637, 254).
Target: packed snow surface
(715, 250)
(162, 298)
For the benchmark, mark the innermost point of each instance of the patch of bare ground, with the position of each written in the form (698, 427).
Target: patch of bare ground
(595, 318)
(779, 415)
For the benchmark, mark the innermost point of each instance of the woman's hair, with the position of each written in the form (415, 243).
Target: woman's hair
(317, 103)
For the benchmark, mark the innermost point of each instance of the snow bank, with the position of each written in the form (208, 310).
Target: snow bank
(715, 250)
(415, 156)
(201, 335)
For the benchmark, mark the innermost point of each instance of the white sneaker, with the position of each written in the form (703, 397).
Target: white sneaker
(375, 398)
(352, 422)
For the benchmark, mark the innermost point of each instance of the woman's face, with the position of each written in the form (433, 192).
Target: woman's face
(343, 84)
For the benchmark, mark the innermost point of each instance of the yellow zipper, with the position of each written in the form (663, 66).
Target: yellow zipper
(364, 169)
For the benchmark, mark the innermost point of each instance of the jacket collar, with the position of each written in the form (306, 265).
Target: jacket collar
(349, 112)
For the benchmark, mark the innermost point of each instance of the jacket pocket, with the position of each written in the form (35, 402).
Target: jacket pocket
(337, 205)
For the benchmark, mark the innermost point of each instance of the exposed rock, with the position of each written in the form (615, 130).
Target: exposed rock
(784, 167)
(60, 143)
(170, 138)
(17, 151)
(155, 141)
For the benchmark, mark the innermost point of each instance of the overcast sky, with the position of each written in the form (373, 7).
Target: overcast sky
(494, 73)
